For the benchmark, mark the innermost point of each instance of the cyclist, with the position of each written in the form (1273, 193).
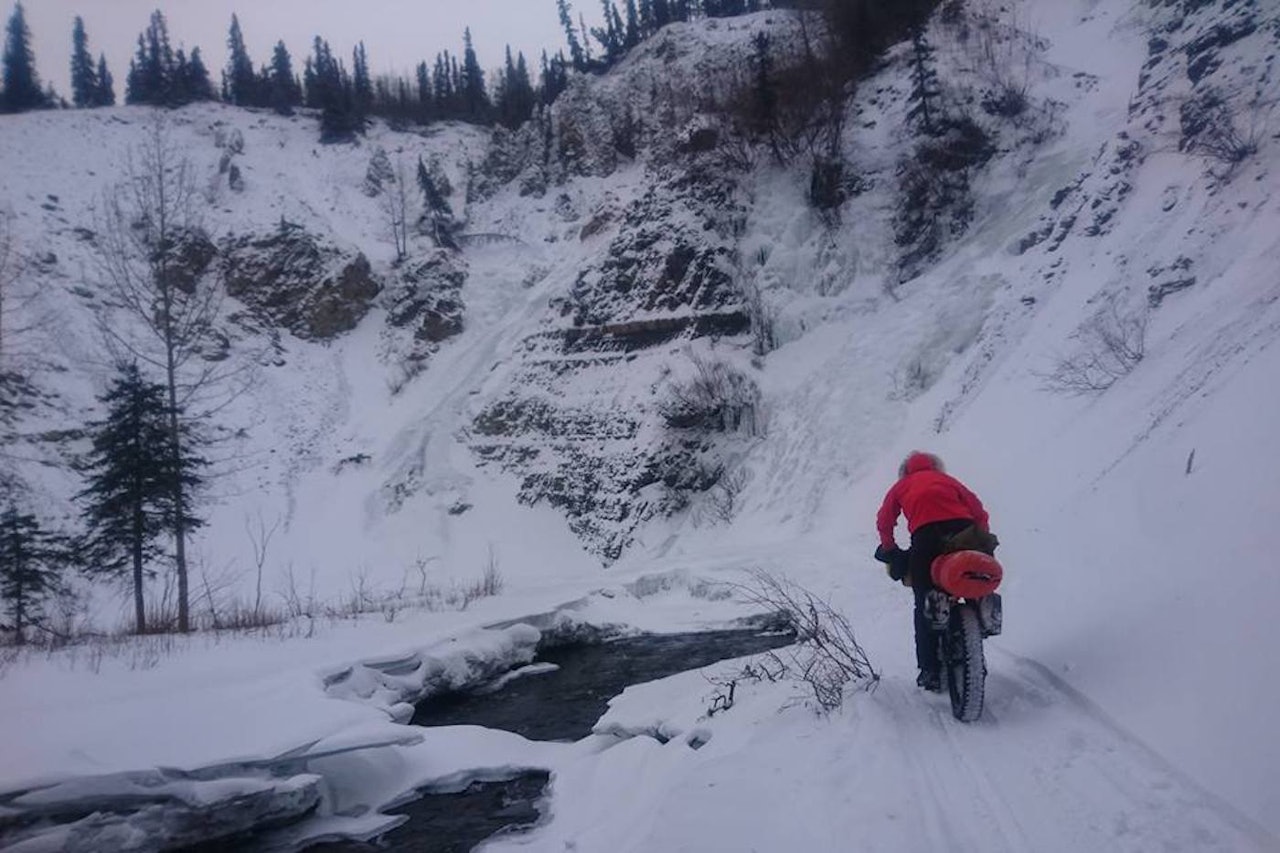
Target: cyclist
(937, 506)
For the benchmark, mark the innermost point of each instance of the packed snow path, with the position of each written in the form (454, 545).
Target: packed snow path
(1042, 770)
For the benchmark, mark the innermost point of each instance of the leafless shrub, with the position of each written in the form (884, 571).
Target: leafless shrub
(489, 584)
(239, 615)
(721, 501)
(764, 339)
(826, 656)
(716, 398)
(789, 100)
(1213, 128)
(1111, 344)
(1003, 54)
(769, 668)
(297, 604)
(260, 538)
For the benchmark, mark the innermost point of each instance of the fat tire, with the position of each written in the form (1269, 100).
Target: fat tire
(965, 663)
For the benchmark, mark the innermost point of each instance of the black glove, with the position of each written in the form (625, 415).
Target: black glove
(896, 561)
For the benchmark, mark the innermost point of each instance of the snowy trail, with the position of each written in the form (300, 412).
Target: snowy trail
(1043, 770)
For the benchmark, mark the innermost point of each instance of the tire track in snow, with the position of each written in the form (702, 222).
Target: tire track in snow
(1239, 831)
(1044, 769)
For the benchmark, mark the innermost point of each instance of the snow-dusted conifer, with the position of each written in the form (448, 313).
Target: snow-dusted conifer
(21, 84)
(131, 477)
(926, 90)
(284, 93)
(362, 85)
(475, 98)
(241, 82)
(31, 559)
(84, 76)
(571, 35)
(106, 94)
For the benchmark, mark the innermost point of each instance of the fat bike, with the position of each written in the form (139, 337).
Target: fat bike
(964, 608)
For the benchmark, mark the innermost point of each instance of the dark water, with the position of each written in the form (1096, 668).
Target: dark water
(559, 705)
(455, 823)
(565, 704)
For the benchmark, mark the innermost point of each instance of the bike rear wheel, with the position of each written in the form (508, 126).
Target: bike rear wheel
(965, 663)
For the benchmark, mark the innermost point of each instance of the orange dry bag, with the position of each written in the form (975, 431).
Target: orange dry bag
(967, 574)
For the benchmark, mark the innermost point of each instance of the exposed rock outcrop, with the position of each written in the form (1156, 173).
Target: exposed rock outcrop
(591, 439)
(427, 297)
(294, 280)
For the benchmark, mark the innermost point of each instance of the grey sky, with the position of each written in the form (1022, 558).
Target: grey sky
(397, 33)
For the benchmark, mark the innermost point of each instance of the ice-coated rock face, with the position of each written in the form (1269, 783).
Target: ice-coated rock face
(294, 280)
(427, 297)
(581, 419)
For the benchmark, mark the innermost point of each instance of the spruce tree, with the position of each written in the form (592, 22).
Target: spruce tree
(153, 72)
(362, 85)
(445, 93)
(475, 99)
(85, 90)
(129, 499)
(241, 81)
(661, 13)
(571, 35)
(329, 89)
(926, 90)
(646, 18)
(283, 85)
(554, 78)
(31, 559)
(426, 100)
(437, 214)
(610, 35)
(194, 80)
(632, 32)
(21, 83)
(106, 94)
(522, 95)
(135, 82)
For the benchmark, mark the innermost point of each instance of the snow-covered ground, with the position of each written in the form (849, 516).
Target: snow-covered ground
(1130, 698)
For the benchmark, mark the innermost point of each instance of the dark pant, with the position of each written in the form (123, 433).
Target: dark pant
(926, 545)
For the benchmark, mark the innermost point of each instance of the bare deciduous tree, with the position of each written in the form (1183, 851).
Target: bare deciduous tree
(260, 534)
(20, 313)
(395, 207)
(148, 220)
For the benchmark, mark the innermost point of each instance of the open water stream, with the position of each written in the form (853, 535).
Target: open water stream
(554, 704)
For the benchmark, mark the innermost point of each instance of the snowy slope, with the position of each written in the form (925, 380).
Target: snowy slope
(1130, 696)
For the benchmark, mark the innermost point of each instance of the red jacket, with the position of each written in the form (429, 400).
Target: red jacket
(925, 495)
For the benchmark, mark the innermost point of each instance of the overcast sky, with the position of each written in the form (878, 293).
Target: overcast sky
(397, 33)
